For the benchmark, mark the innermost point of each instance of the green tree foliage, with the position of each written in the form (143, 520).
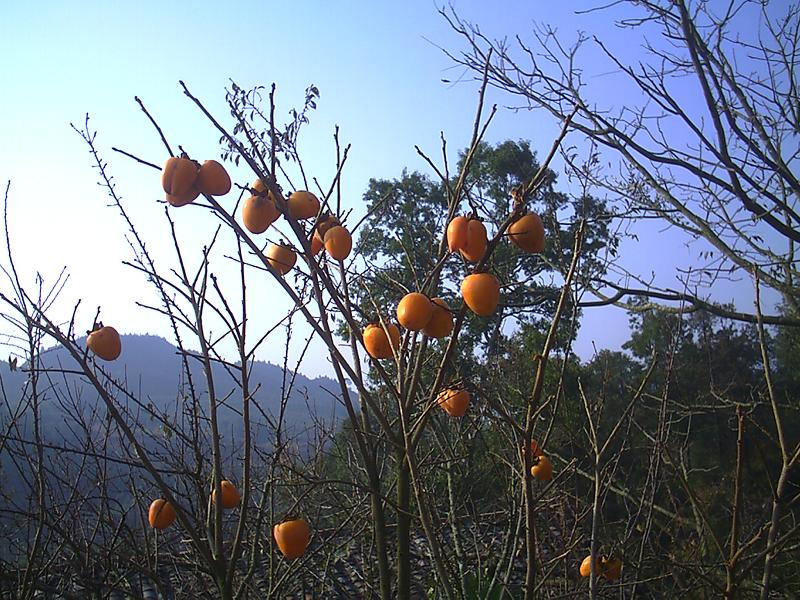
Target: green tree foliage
(408, 218)
(787, 357)
(707, 367)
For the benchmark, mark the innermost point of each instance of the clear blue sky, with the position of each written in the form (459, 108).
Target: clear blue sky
(376, 64)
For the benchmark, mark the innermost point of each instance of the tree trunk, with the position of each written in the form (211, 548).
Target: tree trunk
(403, 528)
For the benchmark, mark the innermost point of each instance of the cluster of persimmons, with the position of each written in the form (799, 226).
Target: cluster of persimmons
(480, 292)
(184, 180)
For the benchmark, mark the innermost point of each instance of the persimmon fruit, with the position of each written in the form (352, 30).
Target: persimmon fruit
(610, 567)
(476, 243)
(183, 199)
(338, 242)
(161, 514)
(302, 205)
(414, 311)
(281, 258)
(481, 293)
(604, 566)
(454, 401)
(105, 343)
(230, 495)
(292, 537)
(542, 469)
(586, 566)
(259, 212)
(457, 231)
(527, 233)
(316, 245)
(178, 175)
(378, 343)
(441, 321)
(325, 223)
(213, 179)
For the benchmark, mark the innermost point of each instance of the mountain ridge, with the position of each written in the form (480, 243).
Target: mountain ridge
(153, 370)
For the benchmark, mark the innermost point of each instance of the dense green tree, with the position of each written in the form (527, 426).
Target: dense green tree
(787, 358)
(408, 218)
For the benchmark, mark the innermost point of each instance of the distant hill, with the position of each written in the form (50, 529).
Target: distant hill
(154, 373)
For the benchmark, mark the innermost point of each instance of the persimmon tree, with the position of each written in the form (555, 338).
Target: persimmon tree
(400, 241)
(187, 462)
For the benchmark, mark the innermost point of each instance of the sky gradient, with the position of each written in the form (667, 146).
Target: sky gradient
(380, 70)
